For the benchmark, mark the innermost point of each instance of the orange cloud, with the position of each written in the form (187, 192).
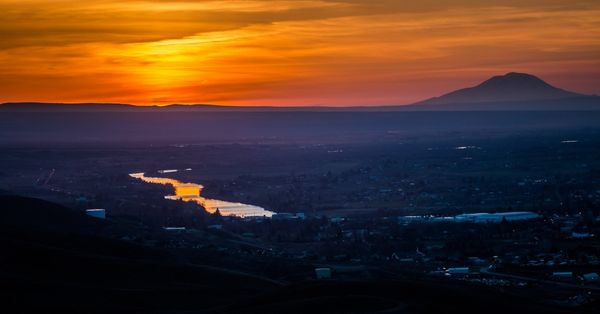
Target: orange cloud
(263, 52)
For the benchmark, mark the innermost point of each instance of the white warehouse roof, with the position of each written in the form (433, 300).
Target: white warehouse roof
(96, 213)
(496, 217)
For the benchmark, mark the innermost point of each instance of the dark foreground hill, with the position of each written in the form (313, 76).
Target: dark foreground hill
(63, 267)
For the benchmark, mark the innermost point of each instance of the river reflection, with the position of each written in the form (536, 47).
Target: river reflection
(190, 192)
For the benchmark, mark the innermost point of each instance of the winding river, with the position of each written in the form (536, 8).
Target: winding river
(190, 192)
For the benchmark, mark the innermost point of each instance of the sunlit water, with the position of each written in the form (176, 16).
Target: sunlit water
(190, 192)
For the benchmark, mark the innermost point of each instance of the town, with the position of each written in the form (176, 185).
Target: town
(519, 215)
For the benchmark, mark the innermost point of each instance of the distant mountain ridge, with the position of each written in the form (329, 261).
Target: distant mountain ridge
(509, 92)
(110, 107)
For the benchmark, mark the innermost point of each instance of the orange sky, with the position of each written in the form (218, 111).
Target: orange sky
(268, 52)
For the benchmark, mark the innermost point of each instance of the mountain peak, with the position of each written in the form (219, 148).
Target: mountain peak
(512, 86)
(516, 80)
(517, 76)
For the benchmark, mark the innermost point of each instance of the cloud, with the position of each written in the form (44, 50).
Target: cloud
(287, 52)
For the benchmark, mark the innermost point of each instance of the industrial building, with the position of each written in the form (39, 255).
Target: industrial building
(323, 273)
(591, 277)
(288, 216)
(458, 271)
(174, 229)
(475, 217)
(96, 213)
(562, 274)
(496, 217)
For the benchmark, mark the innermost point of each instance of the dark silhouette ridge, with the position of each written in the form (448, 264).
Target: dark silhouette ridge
(510, 92)
(54, 260)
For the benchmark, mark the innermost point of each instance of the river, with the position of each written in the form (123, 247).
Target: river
(190, 192)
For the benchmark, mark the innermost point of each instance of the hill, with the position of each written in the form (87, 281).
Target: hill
(504, 88)
(55, 260)
(108, 107)
(512, 91)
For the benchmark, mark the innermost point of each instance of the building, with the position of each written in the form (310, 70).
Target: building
(496, 217)
(410, 219)
(287, 216)
(475, 218)
(458, 271)
(323, 273)
(248, 235)
(581, 235)
(591, 277)
(174, 229)
(96, 213)
(337, 220)
(563, 274)
(168, 171)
